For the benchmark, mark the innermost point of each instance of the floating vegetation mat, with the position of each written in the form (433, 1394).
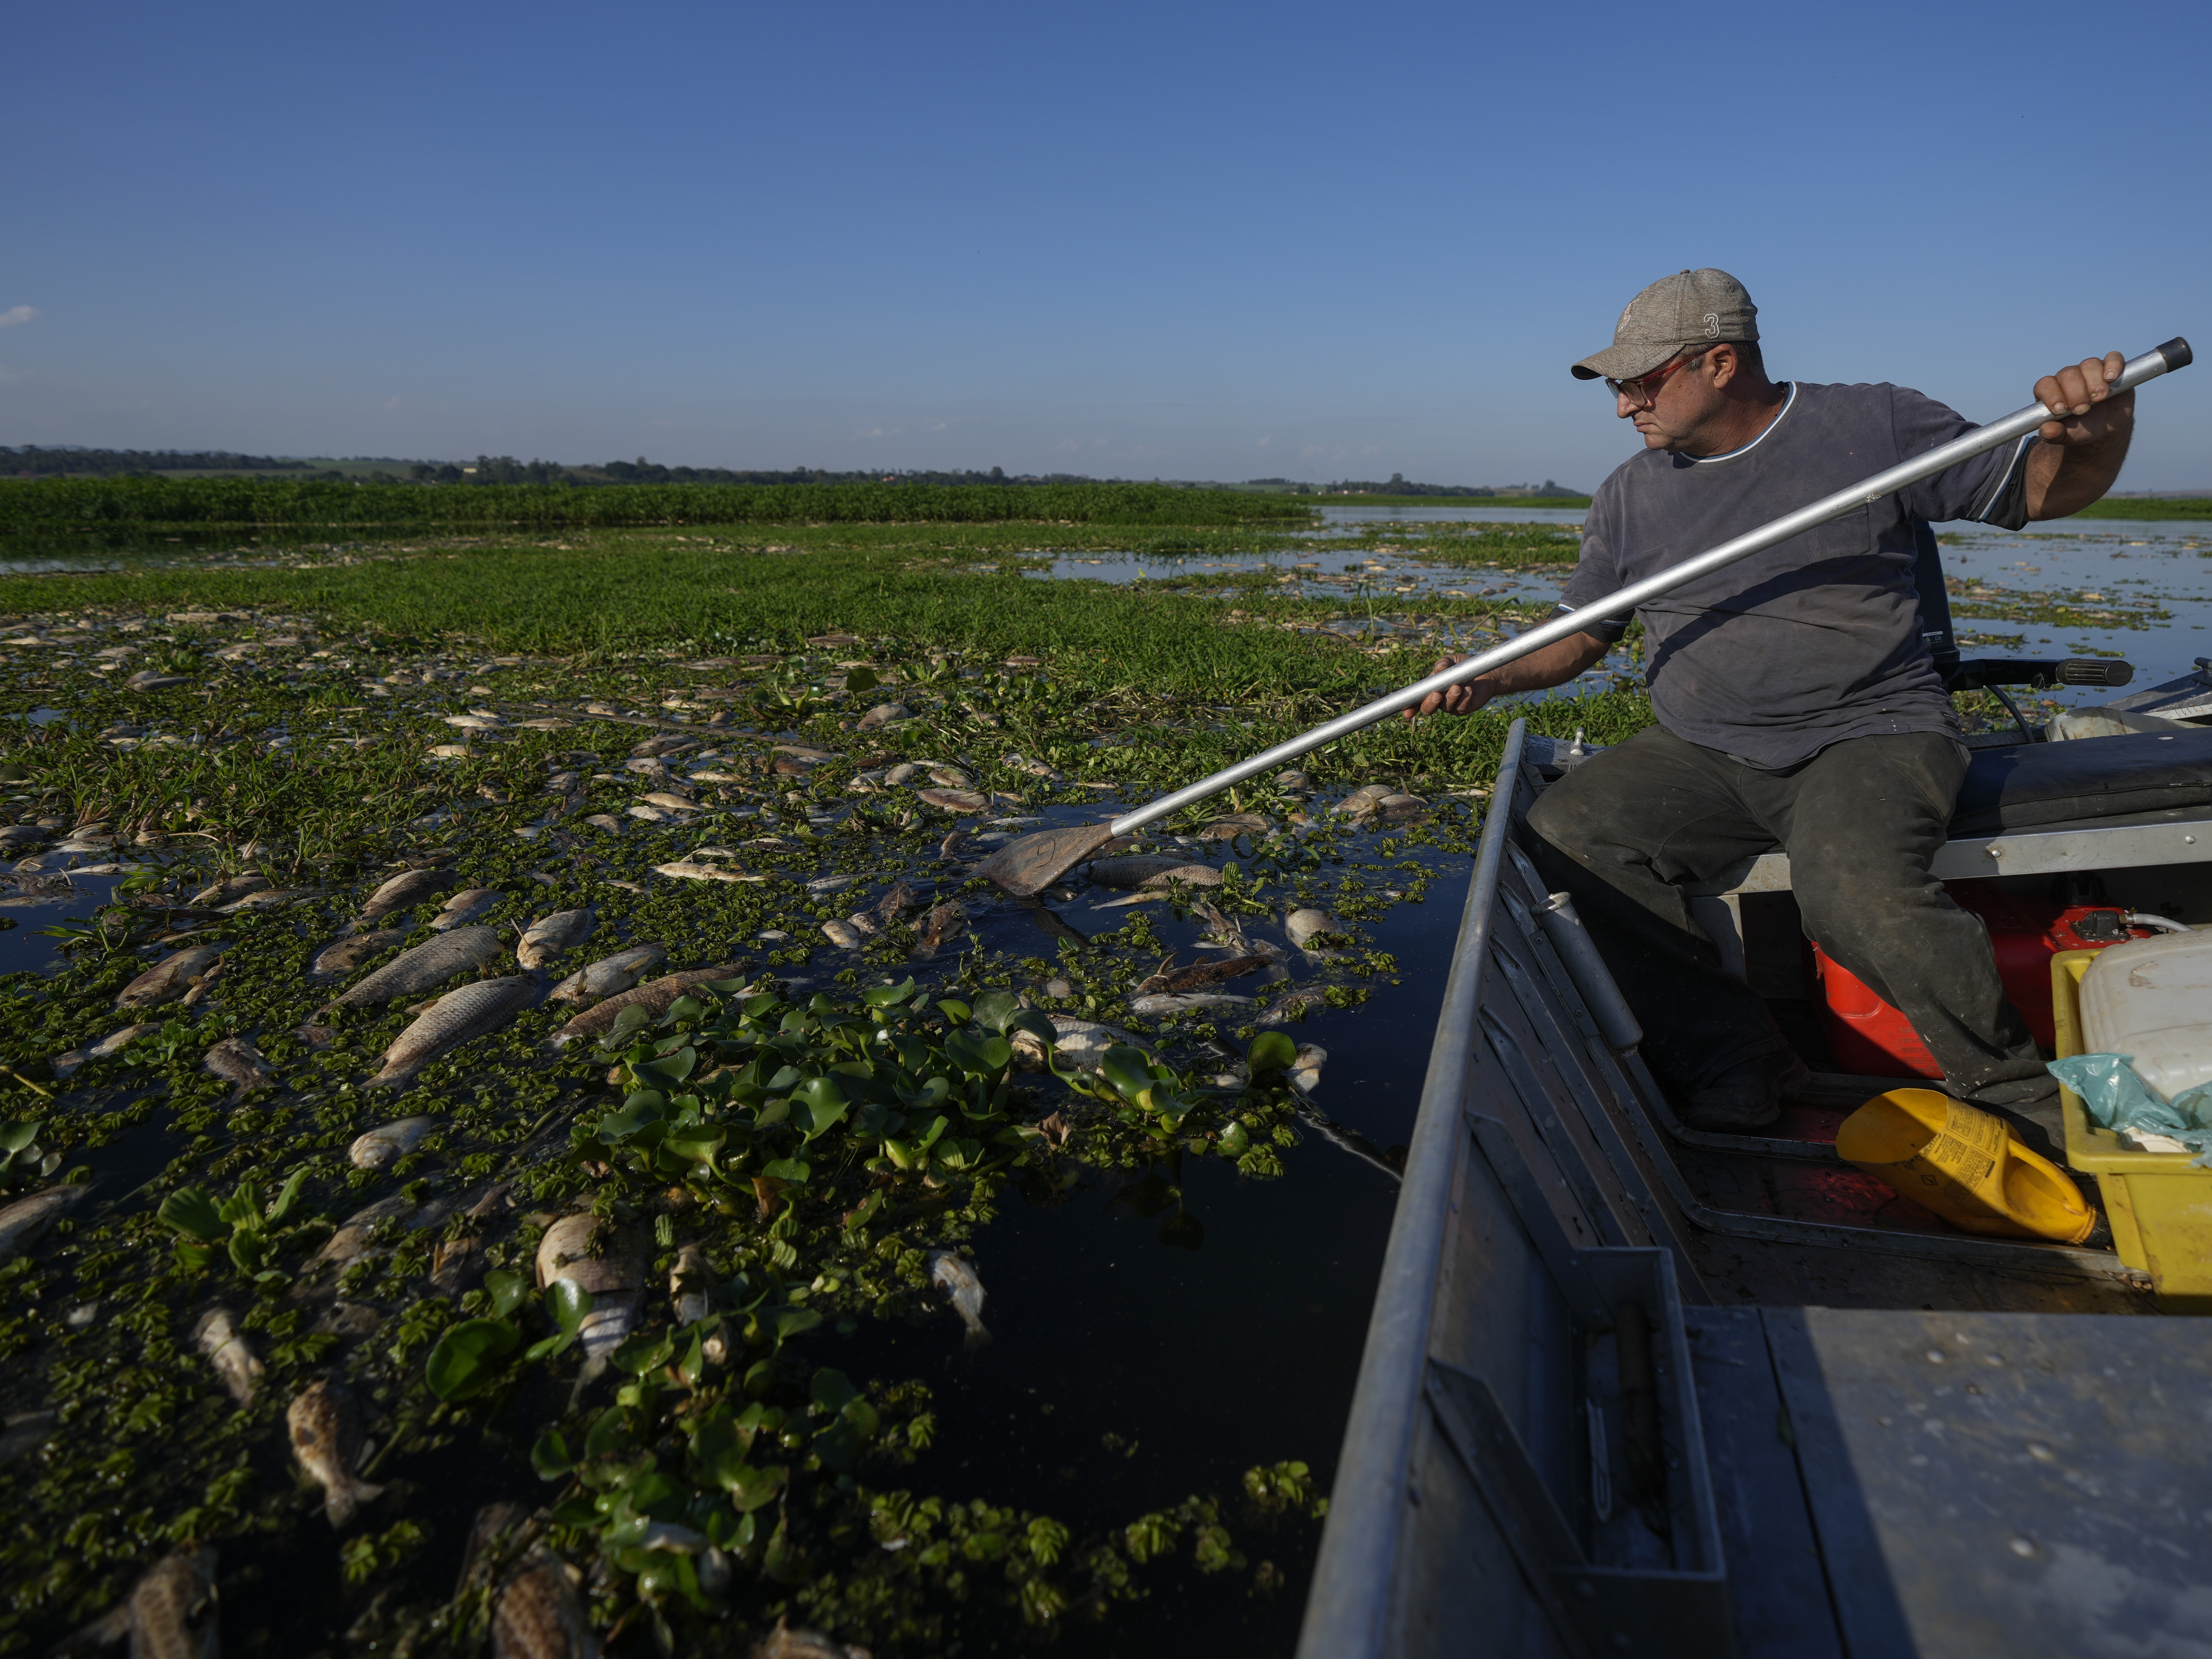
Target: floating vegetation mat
(509, 1149)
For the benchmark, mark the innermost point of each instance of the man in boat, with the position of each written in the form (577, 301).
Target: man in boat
(1798, 706)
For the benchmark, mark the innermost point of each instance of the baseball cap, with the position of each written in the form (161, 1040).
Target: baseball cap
(1690, 308)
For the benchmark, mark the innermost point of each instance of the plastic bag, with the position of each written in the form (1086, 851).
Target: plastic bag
(2118, 1100)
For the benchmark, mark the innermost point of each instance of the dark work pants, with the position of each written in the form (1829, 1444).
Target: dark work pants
(1623, 829)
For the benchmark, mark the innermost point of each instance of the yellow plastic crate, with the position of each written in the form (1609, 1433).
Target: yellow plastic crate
(2160, 1207)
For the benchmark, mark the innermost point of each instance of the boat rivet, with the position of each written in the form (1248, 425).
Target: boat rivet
(2189, 841)
(1994, 850)
(1935, 1356)
(2022, 1545)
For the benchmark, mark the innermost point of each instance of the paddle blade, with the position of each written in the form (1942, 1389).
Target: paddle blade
(1027, 865)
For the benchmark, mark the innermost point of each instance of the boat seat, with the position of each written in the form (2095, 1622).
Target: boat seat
(2033, 784)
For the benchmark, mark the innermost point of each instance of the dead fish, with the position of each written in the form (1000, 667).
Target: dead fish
(149, 679)
(458, 1265)
(353, 1321)
(402, 890)
(1235, 824)
(389, 1141)
(229, 1353)
(425, 967)
(169, 978)
(457, 1017)
(654, 997)
(549, 936)
(955, 800)
(958, 1278)
(691, 1287)
(1203, 973)
(904, 772)
(1399, 808)
(1049, 922)
(882, 715)
(1363, 800)
(949, 777)
(490, 1538)
(822, 884)
(464, 907)
(844, 935)
(607, 1261)
(939, 925)
(111, 1044)
(1078, 1044)
(337, 960)
(237, 1062)
(227, 891)
(326, 1430)
(609, 974)
(1294, 1005)
(785, 1642)
(893, 904)
(1304, 1074)
(1177, 1002)
(1151, 870)
(669, 802)
(268, 899)
(170, 1613)
(1302, 924)
(351, 1242)
(692, 870)
(540, 1616)
(23, 1221)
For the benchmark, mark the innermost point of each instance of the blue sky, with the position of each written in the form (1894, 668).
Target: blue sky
(1203, 240)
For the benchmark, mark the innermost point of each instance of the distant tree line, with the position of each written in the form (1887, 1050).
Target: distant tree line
(1399, 484)
(70, 461)
(506, 470)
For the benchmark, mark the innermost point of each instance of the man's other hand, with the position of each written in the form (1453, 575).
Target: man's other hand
(1461, 699)
(2081, 393)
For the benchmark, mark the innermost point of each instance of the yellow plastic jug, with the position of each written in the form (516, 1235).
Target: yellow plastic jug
(1964, 1165)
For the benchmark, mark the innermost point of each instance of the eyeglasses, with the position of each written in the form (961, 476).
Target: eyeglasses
(1643, 390)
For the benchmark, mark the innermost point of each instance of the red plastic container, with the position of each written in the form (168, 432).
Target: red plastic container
(1869, 1037)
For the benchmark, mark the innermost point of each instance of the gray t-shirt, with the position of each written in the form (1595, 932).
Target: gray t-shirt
(1816, 639)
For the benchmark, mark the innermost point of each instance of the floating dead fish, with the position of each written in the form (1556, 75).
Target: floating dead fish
(464, 907)
(1302, 924)
(337, 960)
(472, 722)
(668, 745)
(955, 800)
(389, 1142)
(171, 977)
(402, 890)
(239, 1063)
(268, 899)
(549, 936)
(1034, 768)
(457, 1017)
(692, 870)
(458, 1265)
(490, 1548)
(646, 814)
(939, 925)
(605, 977)
(325, 1429)
(1049, 922)
(229, 1353)
(547, 725)
(1151, 870)
(1077, 1045)
(1202, 973)
(1235, 824)
(228, 891)
(540, 1616)
(1304, 1074)
(949, 777)
(882, 714)
(1294, 1005)
(23, 1221)
(822, 884)
(151, 680)
(893, 904)
(353, 1242)
(170, 1613)
(1399, 808)
(691, 1284)
(1363, 800)
(606, 1261)
(654, 997)
(425, 967)
(903, 773)
(844, 935)
(670, 801)
(107, 1046)
(966, 1290)
(1178, 1002)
